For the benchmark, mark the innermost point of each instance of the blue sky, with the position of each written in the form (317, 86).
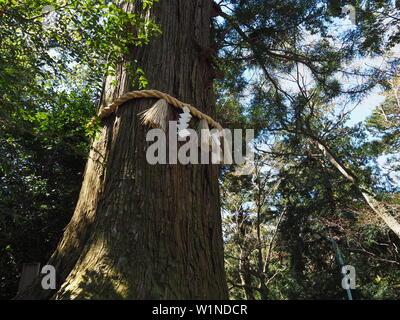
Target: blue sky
(366, 107)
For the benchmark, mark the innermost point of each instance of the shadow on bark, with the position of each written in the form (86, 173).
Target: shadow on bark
(95, 286)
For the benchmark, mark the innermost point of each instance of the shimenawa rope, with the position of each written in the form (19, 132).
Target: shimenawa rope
(105, 112)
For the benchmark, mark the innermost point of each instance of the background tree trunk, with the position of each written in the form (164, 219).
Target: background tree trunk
(142, 231)
(378, 208)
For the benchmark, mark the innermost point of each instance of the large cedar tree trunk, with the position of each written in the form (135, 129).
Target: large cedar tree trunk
(142, 231)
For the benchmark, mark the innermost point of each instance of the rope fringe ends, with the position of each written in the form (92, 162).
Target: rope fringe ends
(156, 116)
(105, 112)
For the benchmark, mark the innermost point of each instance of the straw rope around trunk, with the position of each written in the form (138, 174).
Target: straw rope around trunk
(107, 111)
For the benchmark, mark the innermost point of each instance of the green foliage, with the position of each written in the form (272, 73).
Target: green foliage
(50, 78)
(318, 204)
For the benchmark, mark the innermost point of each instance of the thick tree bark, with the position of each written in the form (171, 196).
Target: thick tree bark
(142, 231)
